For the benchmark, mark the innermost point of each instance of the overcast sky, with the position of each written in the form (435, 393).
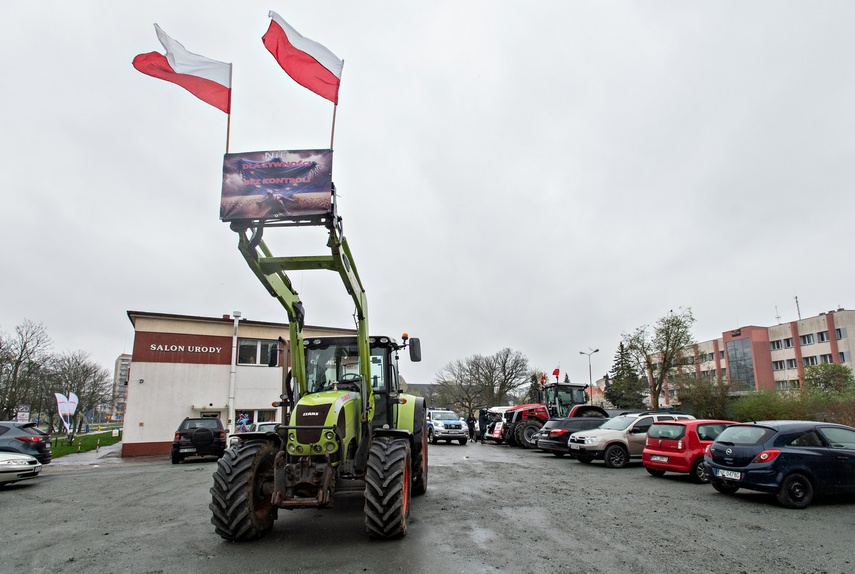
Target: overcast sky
(543, 176)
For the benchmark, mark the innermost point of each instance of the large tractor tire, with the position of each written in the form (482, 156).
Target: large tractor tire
(527, 431)
(241, 495)
(388, 488)
(420, 459)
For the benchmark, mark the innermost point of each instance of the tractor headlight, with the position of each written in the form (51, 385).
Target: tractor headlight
(329, 435)
(292, 437)
(317, 448)
(291, 447)
(330, 446)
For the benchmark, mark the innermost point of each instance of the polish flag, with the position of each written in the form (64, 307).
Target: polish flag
(308, 63)
(556, 370)
(209, 80)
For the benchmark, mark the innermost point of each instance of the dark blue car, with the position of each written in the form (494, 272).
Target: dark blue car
(792, 459)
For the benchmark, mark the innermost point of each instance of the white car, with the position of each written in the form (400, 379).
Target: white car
(15, 467)
(254, 427)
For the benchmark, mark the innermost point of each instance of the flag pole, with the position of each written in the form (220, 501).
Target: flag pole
(332, 134)
(229, 114)
(335, 108)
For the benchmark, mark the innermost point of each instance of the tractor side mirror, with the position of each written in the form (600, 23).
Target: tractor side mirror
(415, 350)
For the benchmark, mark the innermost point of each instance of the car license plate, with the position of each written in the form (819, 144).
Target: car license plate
(658, 458)
(731, 474)
(190, 449)
(575, 446)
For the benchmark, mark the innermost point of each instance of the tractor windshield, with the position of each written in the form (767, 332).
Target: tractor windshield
(338, 360)
(560, 398)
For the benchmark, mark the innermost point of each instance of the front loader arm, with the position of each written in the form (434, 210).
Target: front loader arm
(271, 270)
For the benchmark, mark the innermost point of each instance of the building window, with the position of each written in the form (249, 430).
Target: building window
(826, 359)
(723, 373)
(775, 345)
(791, 363)
(740, 361)
(806, 339)
(810, 361)
(777, 365)
(822, 336)
(721, 354)
(844, 358)
(841, 333)
(788, 343)
(257, 352)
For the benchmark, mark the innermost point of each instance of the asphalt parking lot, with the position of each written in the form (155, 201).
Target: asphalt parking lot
(488, 509)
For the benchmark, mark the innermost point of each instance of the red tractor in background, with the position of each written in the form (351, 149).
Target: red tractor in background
(559, 400)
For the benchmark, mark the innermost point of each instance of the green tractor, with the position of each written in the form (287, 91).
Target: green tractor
(348, 425)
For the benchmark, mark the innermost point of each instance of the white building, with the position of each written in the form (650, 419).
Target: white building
(182, 366)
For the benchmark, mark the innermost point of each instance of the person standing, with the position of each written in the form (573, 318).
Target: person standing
(482, 423)
(470, 422)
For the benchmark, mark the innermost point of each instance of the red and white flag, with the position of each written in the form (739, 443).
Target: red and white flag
(308, 63)
(207, 79)
(556, 370)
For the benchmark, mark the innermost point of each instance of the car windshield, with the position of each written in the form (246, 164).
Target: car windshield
(667, 431)
(744, 435)
(618, 423)
(445, 416)
(200, 424)
(710, 431)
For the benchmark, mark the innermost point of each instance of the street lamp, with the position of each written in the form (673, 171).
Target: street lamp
(590, 380)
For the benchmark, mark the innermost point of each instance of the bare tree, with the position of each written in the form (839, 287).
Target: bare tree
(77, 373)
(22, 359)
(480, 380)
(662, 352)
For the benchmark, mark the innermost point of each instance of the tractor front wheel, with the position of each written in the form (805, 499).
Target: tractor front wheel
(241, 495)
(388, 488)
(420, 461)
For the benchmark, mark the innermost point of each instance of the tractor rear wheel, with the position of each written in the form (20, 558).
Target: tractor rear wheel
(241, 495)
(526, 432)
(387, 488)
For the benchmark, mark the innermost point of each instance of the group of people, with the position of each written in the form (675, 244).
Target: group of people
(478, 428)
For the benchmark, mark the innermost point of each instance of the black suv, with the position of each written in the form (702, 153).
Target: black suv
(198, 437)
(25, 438)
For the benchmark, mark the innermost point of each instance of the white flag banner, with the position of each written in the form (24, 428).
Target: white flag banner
(66, 407)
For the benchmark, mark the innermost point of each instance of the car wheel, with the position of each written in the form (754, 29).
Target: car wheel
(558, 454)
(796, 491)
(176, 458)
(615, 456)
(463, 441)
(655, 471)
(583, 458)
(431, 436)
(724, 488)
(699, 472)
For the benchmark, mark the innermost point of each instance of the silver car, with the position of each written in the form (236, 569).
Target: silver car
(15, 467)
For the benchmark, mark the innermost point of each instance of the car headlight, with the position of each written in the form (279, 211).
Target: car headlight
(591, 440)
(438, 425)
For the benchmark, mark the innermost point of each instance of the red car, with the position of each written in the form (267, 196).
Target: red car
(678, 446)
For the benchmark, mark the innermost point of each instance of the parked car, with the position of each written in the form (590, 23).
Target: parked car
(495, 423)
(679, 446)
(198, 437)
(25, 438)
(794, 460)
(15, 467)
(444, 424)
(618, 440)
(553, 436)
(269, 426)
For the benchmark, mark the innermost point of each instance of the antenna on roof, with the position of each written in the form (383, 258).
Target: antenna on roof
(798, 310)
